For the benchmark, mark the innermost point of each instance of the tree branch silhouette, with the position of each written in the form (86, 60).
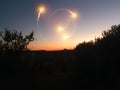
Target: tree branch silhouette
(14, 40)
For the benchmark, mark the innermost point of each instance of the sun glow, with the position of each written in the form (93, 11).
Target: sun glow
(66, 36)
(73, 14)
(41, 9)
(60, 28)
(63, 21)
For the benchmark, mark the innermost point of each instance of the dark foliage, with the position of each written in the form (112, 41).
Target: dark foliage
(100, 59)
(14, 41)
(91, 65)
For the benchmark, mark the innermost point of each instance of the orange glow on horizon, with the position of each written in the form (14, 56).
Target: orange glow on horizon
(50, 48)
(66, 44)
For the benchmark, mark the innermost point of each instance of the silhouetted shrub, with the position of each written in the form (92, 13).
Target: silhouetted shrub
(109, 39)
(15, 41)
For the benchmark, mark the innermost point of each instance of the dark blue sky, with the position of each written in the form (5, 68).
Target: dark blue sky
(94, 17)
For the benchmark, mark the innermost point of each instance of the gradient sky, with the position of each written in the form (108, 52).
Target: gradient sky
(94, 17)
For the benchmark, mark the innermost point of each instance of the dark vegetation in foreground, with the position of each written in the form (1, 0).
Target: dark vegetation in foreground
(91, 65)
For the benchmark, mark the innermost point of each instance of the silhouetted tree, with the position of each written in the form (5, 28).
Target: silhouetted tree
(13, 40)
(102, 57)
(115, 30)
(84, 47)
(110, 38)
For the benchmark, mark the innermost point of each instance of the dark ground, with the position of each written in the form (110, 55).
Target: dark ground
(66, 70)
(93, 65)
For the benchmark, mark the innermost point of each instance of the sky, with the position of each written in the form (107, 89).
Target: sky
(93, 17)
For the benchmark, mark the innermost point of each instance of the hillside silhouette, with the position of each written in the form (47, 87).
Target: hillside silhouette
(91, 65)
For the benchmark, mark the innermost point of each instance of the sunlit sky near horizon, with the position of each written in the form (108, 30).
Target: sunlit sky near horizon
(56, 29)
